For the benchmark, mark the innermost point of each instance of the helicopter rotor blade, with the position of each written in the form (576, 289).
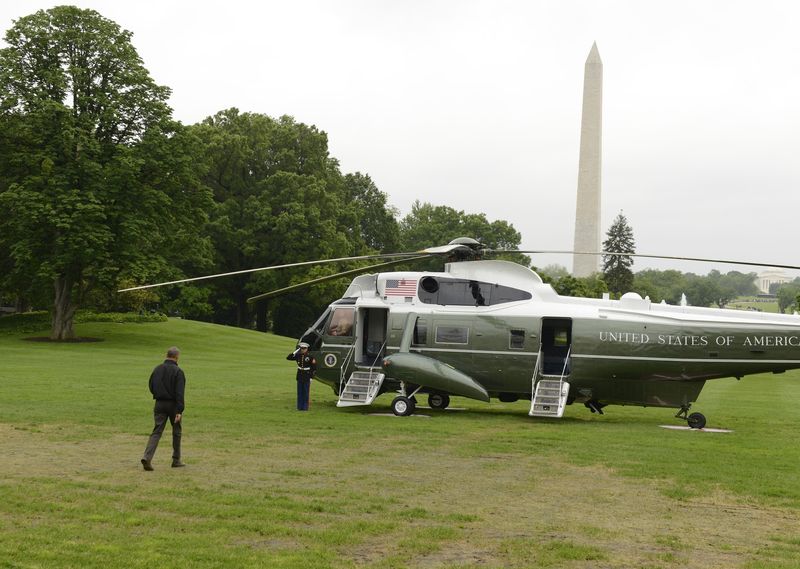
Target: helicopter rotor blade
(274, 267)
(649, 256)
(313, 282)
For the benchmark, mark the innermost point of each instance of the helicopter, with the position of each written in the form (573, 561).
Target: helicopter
(491, 329)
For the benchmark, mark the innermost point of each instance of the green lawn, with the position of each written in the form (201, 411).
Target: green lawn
(267, 486)
(752, 303)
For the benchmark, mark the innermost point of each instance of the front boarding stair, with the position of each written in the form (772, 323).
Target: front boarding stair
(361, 389)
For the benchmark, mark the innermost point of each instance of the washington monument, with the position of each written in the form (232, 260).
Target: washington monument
(587, 211)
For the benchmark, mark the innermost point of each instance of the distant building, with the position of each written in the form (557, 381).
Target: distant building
(767, 278)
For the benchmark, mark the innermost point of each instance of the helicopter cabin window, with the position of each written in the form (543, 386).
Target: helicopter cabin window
(463, 292)
(420, 332)
(516, 339)
(452, 335)
(342, 322)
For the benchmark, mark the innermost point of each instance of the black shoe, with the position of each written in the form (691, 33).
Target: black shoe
(146, 464)
(177, 464)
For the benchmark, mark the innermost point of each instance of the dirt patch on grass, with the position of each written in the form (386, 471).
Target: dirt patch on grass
(80, 340)
(413, 505)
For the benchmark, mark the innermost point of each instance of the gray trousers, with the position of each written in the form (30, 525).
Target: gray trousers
(162, 411)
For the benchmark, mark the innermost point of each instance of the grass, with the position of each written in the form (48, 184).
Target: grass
(761, 305)
(269, 487)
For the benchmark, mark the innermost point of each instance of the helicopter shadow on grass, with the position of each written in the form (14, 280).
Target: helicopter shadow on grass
(512, 415)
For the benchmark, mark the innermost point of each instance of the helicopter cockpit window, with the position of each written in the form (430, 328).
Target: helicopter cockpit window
(313, 336)
(516, 339)
(463, 292)
(319, 325)
(341, 323)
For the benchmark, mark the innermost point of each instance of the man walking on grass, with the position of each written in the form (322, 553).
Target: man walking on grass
(167, 384)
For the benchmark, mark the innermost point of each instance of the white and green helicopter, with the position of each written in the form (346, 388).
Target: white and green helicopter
(487, 329)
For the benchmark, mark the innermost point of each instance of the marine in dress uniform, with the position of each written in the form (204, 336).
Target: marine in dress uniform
(306, 366)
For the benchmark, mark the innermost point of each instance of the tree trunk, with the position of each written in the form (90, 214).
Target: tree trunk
(63, 310)
(261, 316)
(22, 305)
(241, 311)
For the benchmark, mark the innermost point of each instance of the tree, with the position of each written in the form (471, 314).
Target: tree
(553, 272)
(617, 268)
(742, 284)
(98, 182)
(660, 285)
(378, 222)
(731, 285)
(787, 296)
(428, 225)
(592, 286)
(702, 291)
(280, 198)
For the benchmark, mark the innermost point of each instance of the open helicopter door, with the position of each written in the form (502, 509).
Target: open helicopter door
(371, 336)
(364, 383)
(550, 388)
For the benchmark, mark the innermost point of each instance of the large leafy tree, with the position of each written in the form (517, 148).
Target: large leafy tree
(96, 180)
(280, 198)
(378, 222)
(617, 268)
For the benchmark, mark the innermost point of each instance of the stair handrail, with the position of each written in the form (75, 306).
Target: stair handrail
(563, 374)
(533, 378)
(372, 367)
(345, 365)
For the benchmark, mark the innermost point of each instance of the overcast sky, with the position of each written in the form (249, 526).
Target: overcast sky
(476, 105)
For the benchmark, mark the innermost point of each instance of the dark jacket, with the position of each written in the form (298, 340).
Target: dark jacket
(167, 383)
(306, 365)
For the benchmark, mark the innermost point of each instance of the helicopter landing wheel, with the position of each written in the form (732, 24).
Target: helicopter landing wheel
(696, 420)
(403, 406)
(438, 400)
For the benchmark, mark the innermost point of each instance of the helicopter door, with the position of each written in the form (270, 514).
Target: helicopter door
(556, 342)
(372, 324)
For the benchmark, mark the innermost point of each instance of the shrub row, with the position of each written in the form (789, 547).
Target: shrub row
(40, 320)
(121, 317)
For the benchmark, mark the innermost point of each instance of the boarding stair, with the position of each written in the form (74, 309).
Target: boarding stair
(549, 391)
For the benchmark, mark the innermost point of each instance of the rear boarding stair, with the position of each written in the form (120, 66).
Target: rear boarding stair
(550, 392)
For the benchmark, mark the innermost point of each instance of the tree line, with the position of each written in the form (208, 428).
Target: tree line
(102, 189)
(670, 286)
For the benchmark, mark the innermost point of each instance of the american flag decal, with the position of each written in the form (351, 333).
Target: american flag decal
(401, 287)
